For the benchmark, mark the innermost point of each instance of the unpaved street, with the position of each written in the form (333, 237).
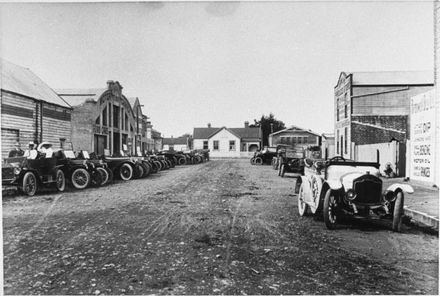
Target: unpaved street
(222, 227)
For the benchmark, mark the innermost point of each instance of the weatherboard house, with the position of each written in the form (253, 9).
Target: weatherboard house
(30, 110)
(227, 142)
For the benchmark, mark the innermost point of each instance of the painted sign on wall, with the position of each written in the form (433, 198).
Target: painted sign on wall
(423, 122)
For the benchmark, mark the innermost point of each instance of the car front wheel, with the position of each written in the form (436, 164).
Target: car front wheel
(80, 178)
(398, 212)
(302, 206)
(126, 172)
(29, 186)
(60, 183)
(330, 209)
(104, 176)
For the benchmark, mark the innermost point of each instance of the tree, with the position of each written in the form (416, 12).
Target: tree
(268, 124)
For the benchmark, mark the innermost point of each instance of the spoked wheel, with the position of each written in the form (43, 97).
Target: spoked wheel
(60, 183)
(110, 175)
(398, 212)
(330, 209)
(80, 178)
(302, 206)
(181, 161)
(104, 176)
(139, 171)
(258, 161)
(95, 178)
(252, 160)
(147, 169)
(29, 186)
(126, 172)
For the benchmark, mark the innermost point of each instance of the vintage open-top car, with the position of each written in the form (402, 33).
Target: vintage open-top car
(349, 188)
(291, 161)
(28, 175)
(264, 156)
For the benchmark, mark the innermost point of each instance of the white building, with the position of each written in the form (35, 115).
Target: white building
(228, 142)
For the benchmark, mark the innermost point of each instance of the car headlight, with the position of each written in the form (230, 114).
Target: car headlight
(351, 195)
(17, 171)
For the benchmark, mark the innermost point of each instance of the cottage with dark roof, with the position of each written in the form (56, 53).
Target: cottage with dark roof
(31, 110)
(227, 142)
(177, 144)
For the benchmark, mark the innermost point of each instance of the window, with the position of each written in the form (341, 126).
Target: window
(345, 111)
(104, 116)
(300, 140)
(337, 142)
(231, 145)
(116, 116)
(337, 109)
(205, 144)
(345, 140)
(215, 144)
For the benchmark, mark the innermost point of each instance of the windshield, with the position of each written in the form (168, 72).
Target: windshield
(69, 154)
(335, 172)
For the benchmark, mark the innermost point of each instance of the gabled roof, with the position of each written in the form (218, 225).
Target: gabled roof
(23, 81)
(78, 96)
(204, 132)
(294, 127)
(208, 132)
(391, 77)
(175, 141)
(247, 132)
(132, 101)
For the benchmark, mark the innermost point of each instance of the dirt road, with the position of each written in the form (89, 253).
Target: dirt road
(222, 227)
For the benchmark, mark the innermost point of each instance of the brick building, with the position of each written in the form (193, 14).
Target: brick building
(31, 110)
(103, 119)
(374, 107)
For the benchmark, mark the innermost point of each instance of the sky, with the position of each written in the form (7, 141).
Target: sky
(224, 63)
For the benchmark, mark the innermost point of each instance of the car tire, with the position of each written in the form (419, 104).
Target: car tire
(139, 171)
(105, 177)
(302, 206)
(181, 161)
(80, 178)
(330, 210)
(110, 175)
(398, 212)
(147, 170)
(282, 170)
(258, 161)
(95, 178)
(60, 181)
(29, 185)
(125, 172)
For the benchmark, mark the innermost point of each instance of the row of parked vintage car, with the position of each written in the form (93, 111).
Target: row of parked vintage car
(82, 169)
(335, 188)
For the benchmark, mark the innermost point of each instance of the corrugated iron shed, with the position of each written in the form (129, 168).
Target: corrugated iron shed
(23, 81)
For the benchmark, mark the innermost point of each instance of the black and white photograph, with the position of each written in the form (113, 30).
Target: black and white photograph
(220, 147)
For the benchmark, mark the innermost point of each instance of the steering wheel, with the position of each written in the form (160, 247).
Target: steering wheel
(337, 158)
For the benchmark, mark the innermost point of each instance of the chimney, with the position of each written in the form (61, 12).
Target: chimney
(246, 124)
(209, 125)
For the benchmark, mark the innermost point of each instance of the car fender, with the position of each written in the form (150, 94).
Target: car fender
(404, 187)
